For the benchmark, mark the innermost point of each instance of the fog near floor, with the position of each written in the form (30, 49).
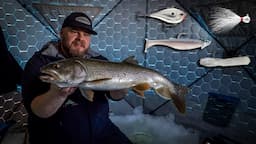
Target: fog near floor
(147, 129)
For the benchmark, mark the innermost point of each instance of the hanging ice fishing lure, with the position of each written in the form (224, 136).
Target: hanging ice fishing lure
(224, 62)
(223, 20)
(177, 43)
(168, 15)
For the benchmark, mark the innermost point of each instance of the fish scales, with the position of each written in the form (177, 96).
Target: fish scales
(104, 75)
(124, 75)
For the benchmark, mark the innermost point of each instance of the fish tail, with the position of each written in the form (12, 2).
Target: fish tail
(206, 43)
(177, 97)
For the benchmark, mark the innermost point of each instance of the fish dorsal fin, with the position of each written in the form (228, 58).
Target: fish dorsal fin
(140, 88)
(131, 60)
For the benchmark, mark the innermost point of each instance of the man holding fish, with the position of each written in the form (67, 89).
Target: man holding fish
(62, 114)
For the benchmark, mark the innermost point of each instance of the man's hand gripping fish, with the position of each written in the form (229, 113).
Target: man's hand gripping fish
(91, 74)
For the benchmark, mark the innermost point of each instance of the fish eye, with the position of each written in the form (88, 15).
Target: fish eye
(173, 14)
(181, 14)
(56, 66)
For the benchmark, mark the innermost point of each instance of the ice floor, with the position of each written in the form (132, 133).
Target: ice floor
(147, 129)
(141, 129)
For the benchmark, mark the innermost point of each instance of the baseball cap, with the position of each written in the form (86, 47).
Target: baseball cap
(79, 20)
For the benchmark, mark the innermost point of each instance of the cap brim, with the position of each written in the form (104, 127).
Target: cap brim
(86, 29)
(92, 32)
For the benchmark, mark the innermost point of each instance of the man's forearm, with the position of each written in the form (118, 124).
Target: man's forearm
(47, 104)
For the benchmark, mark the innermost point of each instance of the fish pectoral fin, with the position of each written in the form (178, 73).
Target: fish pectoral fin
(140, 88)
(94, 82)
(88, 94)
(101, 80)
(178, 100)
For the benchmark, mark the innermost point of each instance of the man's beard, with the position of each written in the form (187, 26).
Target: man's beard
(69, 52)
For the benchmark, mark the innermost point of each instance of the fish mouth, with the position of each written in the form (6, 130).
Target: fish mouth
(49, 76)
(184, 16)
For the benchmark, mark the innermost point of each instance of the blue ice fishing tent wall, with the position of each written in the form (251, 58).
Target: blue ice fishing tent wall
(28, 24)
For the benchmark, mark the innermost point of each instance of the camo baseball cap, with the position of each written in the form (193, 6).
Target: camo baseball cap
(79, 20)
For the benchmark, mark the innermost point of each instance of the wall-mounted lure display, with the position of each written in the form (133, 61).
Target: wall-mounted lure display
(224, 62)
(177, 43)
(169, 15)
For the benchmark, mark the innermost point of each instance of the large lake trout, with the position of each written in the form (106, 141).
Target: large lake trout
(91, 74)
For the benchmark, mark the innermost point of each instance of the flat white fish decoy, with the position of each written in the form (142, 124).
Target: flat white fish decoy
(177, 43)
(169, 15)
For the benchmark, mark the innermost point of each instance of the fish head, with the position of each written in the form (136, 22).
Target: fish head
(177, 14)
(64, 73)
(246, 19)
